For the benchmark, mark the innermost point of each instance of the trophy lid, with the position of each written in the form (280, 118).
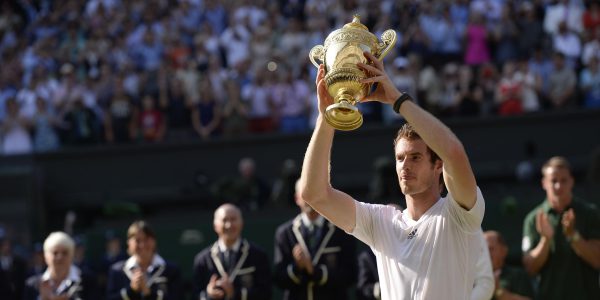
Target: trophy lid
(356, 23)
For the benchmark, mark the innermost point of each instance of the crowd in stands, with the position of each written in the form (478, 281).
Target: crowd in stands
(115, 71)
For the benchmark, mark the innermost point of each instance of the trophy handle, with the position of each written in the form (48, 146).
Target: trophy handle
(388, 40)
(317, 53)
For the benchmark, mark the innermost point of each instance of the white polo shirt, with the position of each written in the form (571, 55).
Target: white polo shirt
(432, 258)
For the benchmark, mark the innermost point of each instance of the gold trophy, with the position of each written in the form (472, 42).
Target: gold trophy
(343, 49)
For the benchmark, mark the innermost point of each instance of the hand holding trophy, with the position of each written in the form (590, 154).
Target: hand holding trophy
(342, 51)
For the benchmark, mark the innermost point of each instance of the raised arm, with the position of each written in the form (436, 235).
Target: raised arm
(458, 175)
(315, 186)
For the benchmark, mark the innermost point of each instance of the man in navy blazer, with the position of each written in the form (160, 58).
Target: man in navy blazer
(313, 258)
(232, 268)
(145, 275)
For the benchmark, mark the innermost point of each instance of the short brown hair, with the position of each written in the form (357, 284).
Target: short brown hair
(140, 226)
(558, 162)
(409, 133)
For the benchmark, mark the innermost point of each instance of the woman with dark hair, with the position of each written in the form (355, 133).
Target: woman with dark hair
(145, 274)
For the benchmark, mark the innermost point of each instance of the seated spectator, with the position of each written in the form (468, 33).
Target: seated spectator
(511, 282)
(62, 279)
(145, 275)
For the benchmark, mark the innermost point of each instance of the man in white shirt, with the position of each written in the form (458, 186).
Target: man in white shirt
(427, 251)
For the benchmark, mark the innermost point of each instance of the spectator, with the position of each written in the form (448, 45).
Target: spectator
(561, 236)
(138, 276)
(235, 111)
(476, 49)
(562, 83)
(313, 258)
(37, 264)
(232, 267)
(45, 137)
(81, 124)
(206, 117)
(509, 94)
(567, 43)
(530, 31)
(367, 287)
(62, 279)
(291, 96)
(151, 121)
(505, 35)
(112, 254)
(589, 81)
(564, 11)
(120, 118)
(14, 132)
(483, 286)
(511, 282)
(249, 190)
(260, 103)
(12, 267)
(282, 193)
(176, 106)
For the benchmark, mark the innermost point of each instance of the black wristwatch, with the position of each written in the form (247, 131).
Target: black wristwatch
(400, 100)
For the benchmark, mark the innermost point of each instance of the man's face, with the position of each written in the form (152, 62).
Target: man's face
(498, 251)
(416, 173)
(228, 224)
(141, 245)
(558, 184)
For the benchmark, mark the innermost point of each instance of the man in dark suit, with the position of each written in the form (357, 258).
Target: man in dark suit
(145, 274)
(313, 258)
(367, 287)
(14, 267)
(232, 268)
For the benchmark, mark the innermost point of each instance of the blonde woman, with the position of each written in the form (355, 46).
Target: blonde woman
(62, 280)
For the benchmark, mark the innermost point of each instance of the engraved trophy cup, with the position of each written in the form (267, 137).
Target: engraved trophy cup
(342, 50)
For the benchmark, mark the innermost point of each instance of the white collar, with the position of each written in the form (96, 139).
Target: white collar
(73, 276)
(236, 246)
(157, 261)
(319, 221)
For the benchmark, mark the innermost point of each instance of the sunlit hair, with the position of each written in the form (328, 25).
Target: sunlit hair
(140, 226)
(408, 132)
(557, 162)
(59, 238)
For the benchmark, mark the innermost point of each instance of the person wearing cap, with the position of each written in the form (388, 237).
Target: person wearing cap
(145, 274)
(61, 280)
(232, 268)
(561, 238)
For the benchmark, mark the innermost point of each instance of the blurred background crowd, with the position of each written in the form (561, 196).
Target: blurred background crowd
(113, 71)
